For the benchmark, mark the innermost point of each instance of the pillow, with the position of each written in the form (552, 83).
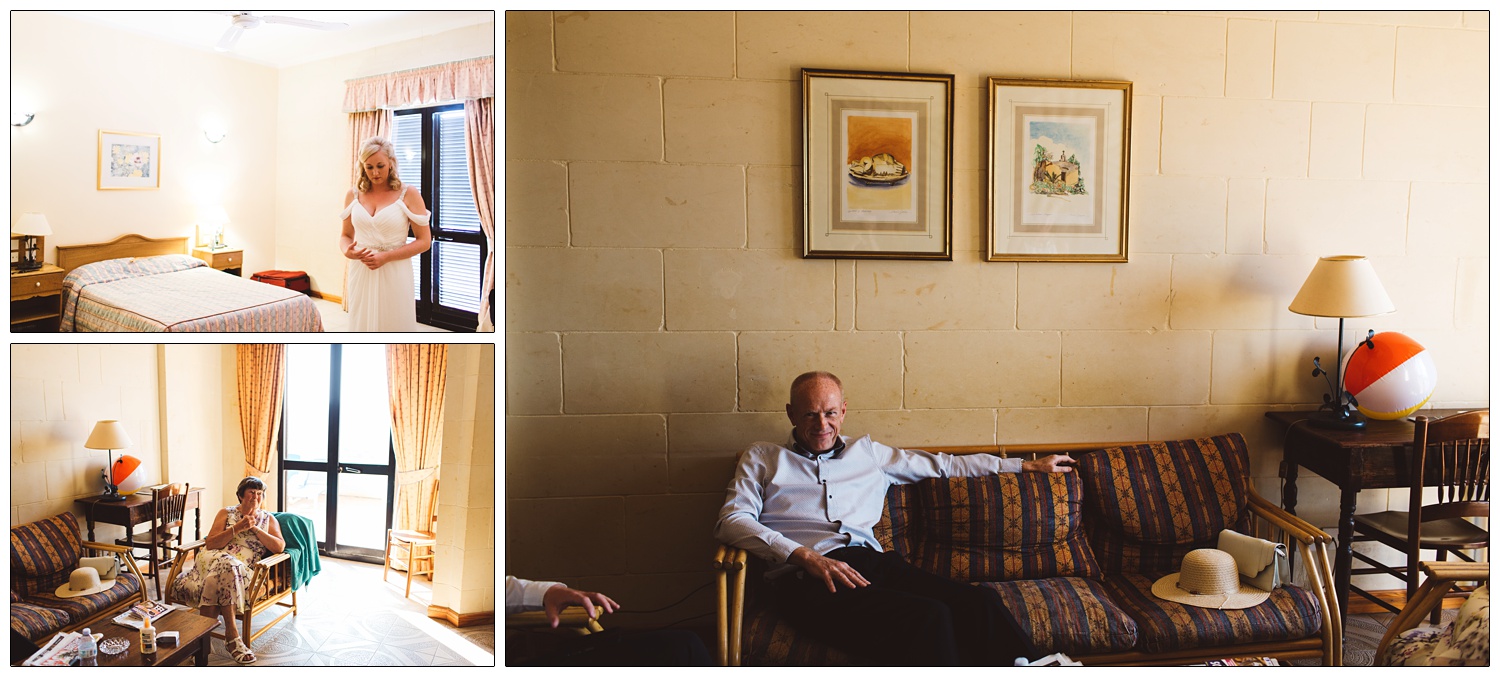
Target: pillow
(1011, 526)
(45, 547)
(1147, 505)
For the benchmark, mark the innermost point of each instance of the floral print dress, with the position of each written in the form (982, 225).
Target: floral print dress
(219, 577)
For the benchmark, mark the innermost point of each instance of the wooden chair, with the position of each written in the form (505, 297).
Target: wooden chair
(412, 540)
(1453, 455)
(270, 586)
(167, 505)
(529, 634)
(1441, 577)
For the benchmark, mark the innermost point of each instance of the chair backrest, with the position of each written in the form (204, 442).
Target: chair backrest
(1452, 454)
(168, 502)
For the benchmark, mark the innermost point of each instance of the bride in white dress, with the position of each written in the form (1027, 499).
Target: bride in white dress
(379, 212)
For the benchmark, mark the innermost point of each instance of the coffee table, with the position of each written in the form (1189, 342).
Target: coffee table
(192, 641)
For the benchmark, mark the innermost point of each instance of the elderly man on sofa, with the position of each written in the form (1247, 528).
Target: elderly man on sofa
(809, 507)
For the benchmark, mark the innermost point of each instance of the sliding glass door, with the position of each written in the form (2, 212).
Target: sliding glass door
(337, 463)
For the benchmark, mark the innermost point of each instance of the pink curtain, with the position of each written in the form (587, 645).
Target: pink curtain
(418, 378)
(455, 81)
(479, 130)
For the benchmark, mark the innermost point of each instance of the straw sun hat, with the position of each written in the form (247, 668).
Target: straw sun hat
(94, 574)
(1208, 578)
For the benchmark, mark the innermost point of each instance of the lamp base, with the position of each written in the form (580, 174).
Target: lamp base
(111, 498)
(1348, 421)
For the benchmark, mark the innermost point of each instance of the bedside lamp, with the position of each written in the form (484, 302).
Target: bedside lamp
(32, 226)
(1341, 286)
(109, 435)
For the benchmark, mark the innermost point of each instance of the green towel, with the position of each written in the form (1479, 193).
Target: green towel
(301, 545)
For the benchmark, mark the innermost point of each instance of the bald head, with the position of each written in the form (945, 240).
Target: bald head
(816, 410)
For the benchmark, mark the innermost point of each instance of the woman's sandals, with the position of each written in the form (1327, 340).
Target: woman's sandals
(240, 652)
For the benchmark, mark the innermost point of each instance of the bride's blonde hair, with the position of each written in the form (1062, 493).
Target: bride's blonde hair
(371, 146)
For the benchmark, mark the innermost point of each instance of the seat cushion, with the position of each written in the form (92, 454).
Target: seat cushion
(36, 622)
(44, 553)
(126, 586)
(1074, 616)
(992, 528)
(1147, 505)
(770, 641)
(1290, 613)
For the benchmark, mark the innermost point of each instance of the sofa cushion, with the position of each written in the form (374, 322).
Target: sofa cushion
(991, 528)
(78, 608)
(43, 553)
(1147, 505)
(770, 641)
(36, 622)
(1290, 613)
(1074, 616)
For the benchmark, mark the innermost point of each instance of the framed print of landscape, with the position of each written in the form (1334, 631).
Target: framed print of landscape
(877, 165)
(1059, 179)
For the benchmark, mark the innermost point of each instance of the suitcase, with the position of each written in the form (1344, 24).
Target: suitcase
(295, 280)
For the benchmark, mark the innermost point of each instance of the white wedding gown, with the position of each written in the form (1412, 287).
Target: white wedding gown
(382, 299)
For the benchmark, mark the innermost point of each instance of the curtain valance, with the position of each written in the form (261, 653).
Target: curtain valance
(454, 81)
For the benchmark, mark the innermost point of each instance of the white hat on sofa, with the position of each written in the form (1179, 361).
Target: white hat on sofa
(1208, 578)
(85, 579)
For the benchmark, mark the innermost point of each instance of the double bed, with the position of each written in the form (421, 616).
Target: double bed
(141, 284)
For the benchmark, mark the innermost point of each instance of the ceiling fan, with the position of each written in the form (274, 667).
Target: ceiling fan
(244, 21)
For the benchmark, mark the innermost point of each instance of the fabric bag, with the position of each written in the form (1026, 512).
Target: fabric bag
(1263, 564)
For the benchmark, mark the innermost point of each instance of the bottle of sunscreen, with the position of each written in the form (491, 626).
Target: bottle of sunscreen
(148, 638)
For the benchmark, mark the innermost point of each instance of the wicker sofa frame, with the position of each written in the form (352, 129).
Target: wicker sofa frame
(734, 569)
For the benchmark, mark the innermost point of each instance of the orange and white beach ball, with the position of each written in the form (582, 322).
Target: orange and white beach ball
(1392, 380)
(127, 474)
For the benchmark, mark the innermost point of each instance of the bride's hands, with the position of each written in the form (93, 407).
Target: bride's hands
(354, 252)
(373, 259)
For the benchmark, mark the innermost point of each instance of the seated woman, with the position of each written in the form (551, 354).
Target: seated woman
(241, 535)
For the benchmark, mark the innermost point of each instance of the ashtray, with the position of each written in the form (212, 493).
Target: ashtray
(114, 645)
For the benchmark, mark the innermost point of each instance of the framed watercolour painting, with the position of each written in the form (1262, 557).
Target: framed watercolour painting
(877, 165)
(1059, 181)
(129, 161)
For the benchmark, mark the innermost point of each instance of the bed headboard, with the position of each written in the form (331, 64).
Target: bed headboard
(126, 246)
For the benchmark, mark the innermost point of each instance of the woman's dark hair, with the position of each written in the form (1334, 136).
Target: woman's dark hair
(248, 483)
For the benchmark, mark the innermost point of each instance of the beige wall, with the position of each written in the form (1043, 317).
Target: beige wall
(80, 78)
(313, 147)
(657, 304)
(193, 422)
(57, 393)
(465, 578)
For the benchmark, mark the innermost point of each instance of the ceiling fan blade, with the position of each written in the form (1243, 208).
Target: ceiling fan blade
(231, 36)
(304, 23)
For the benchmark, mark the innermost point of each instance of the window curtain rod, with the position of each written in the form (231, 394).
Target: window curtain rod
(452, 81)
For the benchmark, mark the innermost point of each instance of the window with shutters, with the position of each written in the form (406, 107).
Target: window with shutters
(432, 157)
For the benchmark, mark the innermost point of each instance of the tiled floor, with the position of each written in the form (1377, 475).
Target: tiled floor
(1362, 633)
(335, 319)
(348, 616)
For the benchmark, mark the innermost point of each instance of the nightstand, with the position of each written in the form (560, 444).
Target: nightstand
(36, 299)
(228, 260)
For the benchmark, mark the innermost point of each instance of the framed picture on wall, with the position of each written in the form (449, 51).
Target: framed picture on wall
(877, 165)
(1059, 179)
(129, 161)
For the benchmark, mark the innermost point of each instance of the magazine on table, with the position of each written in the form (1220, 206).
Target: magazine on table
(61, 650)
(132, 618)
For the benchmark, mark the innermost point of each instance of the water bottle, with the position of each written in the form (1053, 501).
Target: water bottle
(88, 650)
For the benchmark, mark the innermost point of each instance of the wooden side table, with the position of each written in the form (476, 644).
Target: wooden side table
(36, 299)
(229, 260)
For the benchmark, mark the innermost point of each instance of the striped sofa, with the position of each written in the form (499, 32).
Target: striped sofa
(1073, 557)
(42, 556)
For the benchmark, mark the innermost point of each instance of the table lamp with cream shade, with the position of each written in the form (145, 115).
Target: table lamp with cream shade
(109, 434)
(1341, 286)
(31, 228)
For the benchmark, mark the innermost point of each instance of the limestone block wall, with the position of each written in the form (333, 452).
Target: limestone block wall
(657, 305)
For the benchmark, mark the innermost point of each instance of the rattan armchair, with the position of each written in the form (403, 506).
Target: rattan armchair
(270, 587)
(1441, 577)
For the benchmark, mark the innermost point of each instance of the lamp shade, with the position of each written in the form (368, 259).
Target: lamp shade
(1342, 286)
(108, 434)
(32, 223)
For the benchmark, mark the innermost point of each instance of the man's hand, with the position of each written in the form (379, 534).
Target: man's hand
(831, 571)
(1053, 463)
(559, 597)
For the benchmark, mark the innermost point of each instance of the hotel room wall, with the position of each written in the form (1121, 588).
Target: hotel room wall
(192, 421)
(657, 303)
(80, 77)
(313, 151)
(57, 393)
(465, 577)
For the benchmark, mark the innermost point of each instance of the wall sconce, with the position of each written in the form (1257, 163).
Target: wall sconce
(214, 135)
(19, 119)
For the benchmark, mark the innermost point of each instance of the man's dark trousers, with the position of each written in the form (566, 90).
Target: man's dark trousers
(906, 616)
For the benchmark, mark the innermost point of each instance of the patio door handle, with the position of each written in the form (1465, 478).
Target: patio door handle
(347, 469)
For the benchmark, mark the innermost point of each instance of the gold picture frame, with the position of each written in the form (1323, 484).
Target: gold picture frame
(1059, 170)
(877, 170)
(128, 161)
